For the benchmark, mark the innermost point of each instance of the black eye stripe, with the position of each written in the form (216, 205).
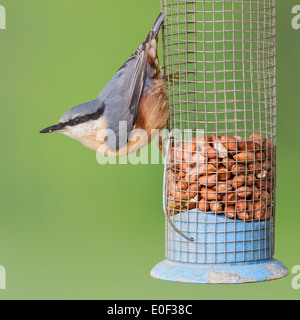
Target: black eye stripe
(93, 116)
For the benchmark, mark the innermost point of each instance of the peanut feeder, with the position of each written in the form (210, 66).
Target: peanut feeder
(220, 181)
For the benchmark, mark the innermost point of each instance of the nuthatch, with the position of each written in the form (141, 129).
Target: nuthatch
(134, 99)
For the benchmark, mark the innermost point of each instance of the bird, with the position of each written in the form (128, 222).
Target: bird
(130, 110)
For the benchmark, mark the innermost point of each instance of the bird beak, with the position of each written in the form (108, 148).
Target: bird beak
(51, 129)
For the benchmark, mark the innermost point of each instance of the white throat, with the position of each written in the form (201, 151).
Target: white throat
(81, 130)
(87, 133)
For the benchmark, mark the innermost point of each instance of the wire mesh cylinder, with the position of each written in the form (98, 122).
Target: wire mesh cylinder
(219, 56)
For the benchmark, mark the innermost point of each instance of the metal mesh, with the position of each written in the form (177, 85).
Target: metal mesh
(219, 60)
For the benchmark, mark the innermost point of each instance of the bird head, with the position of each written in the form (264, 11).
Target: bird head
(82, 123)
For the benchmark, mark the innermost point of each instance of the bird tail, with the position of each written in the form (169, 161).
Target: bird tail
(157, 25)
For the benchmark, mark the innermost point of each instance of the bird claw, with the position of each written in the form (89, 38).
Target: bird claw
(172, 77)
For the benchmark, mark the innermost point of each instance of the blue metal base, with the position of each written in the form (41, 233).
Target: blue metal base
(225, 273)
(218, 239)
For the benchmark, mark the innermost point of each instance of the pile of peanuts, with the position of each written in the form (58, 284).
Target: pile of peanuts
(225, 175)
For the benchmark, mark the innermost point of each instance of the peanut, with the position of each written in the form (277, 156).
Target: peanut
(223, 187)
(182, 185)
(228, 163)
(238, 169)
(185, 195)
(256, 193)
(171, 188)
(171, 175)
(209, 152)
(241, 212)
(248, 145)
(230, 143)
(222, 151)
(231, 154)
(204, 205)
(183, 167)
(180, 175)
(241, 206)
(230, 212)
(238, 181)
(181, 195)
(189, 146)
(208, 181)
(244, 192)
(223, 174)
(191, 192)
(207, 169)
(261, 184)
(244, 157)
(244, 215)
(250, 180)
(209, 194)
(187, 156)
(266, 143)
(263, 174)
(193, 175)
(264, 183)
(215, 162)
(257, 138)
(265, 195)
(176, 155)
(187, 149)
(202, 141)
(173, 166)
(216, 207)
(260, 155)
(198, 158)
(193, 187)
(268, 148)
(255, 168)
(257, 208)
(239, 138)
(229, 198)
(266, 164)
(193, 203)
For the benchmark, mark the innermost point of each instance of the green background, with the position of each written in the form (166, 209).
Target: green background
(72, 229)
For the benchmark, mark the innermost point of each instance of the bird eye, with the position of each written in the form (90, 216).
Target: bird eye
(76, 120)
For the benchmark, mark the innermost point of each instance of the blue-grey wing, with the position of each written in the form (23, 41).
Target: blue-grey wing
(122, 95)
(133, 74)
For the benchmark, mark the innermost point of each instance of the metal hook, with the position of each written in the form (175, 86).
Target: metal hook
(165, 194)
